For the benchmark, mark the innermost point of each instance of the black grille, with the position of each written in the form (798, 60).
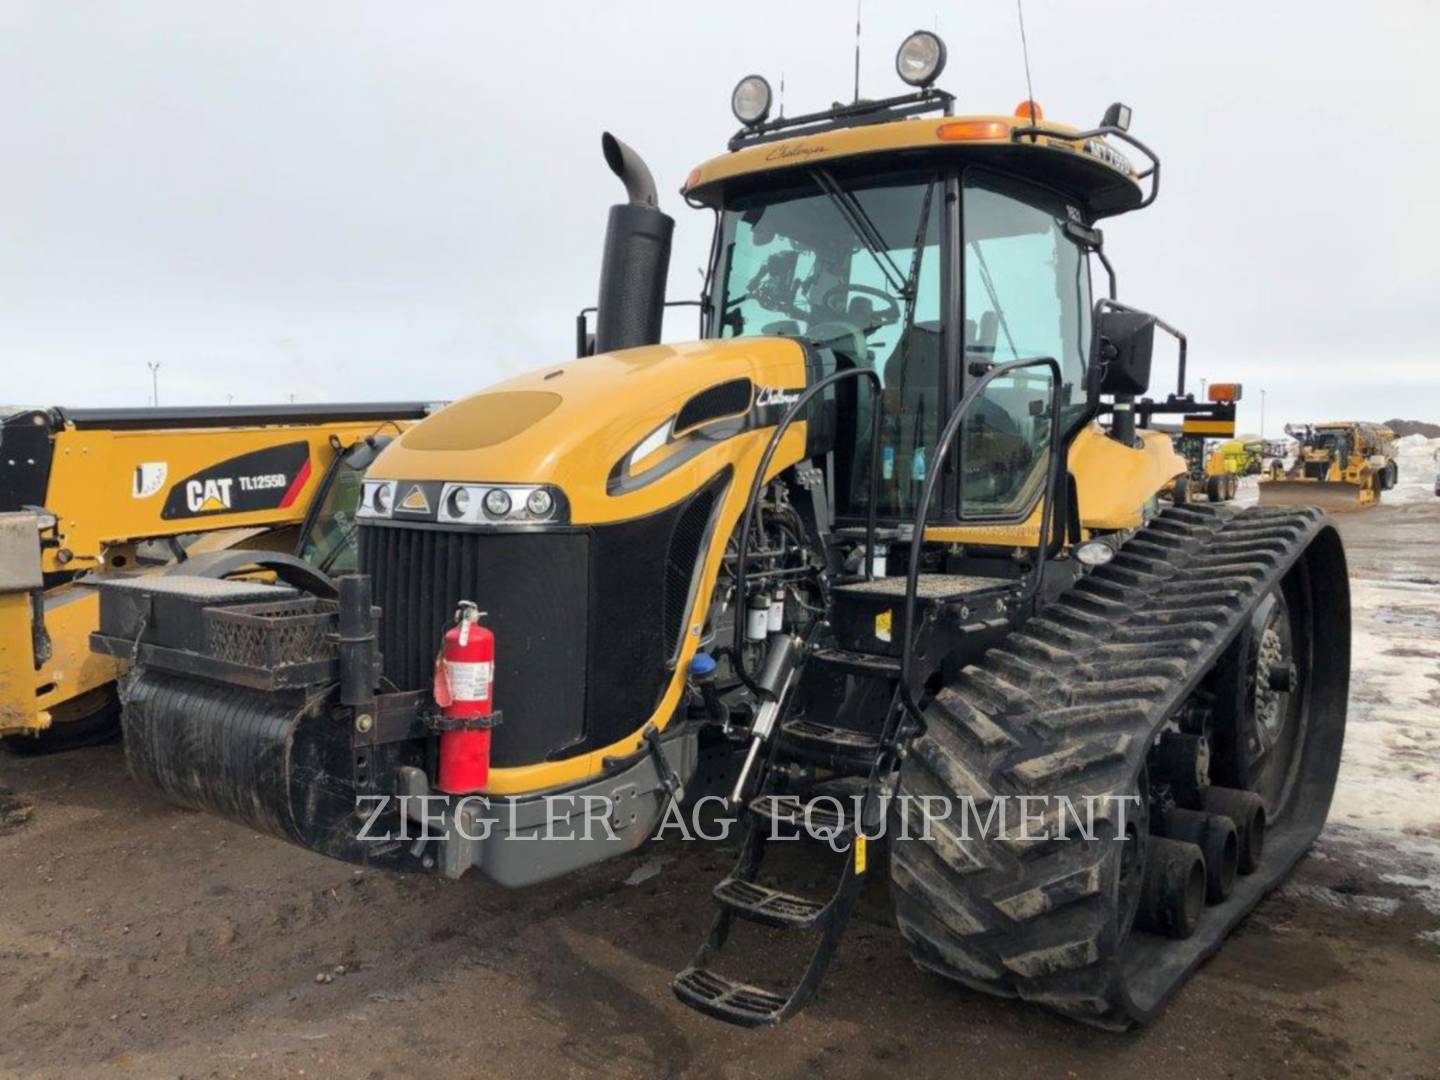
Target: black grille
(724, 399)
(535, 588)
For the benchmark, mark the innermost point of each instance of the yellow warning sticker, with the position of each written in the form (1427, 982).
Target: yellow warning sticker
(860, 853)
(883, 621)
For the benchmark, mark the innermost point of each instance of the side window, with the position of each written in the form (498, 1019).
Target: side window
(1027, 296)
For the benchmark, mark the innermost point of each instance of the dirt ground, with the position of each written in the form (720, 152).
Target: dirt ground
(140, 939)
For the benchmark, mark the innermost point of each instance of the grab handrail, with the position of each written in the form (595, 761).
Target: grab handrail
(922, 511)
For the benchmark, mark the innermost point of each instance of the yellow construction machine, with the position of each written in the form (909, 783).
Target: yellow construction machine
(1208, 468)
(1342, 465)
(879, 557)
(86, 493)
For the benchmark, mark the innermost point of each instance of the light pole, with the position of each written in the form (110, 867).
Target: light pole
(1202, 389)
(1262, 415)
(154, 382)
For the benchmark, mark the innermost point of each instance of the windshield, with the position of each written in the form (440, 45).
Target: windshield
(852, 265)
(329, 544)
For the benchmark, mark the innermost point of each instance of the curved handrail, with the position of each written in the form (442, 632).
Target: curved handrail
(922, 511)
(747, 520)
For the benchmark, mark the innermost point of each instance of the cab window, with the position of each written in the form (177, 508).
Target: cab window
(1027, 296)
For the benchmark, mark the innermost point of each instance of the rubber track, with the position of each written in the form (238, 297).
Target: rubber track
(1068, 704)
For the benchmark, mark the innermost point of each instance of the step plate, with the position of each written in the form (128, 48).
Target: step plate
(767, 906)
(734, 1002)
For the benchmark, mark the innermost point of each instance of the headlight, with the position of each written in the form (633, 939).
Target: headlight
(497, 502)
(921, 58)
(377, 499)
(750, 101)
(1094, 553)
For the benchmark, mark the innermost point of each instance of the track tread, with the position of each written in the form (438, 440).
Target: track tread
(1068, 704)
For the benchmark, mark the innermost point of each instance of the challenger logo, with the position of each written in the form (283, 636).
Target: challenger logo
(415, 501)
(269, 479)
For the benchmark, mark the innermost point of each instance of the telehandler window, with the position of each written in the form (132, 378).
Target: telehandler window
(1027, 295)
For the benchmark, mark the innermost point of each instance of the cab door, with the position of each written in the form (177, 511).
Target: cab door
(1025, 295)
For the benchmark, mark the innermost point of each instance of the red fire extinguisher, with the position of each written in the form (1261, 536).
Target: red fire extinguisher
(464, 690)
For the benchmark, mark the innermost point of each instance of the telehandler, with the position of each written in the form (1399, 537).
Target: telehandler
(867, 537)
(1343, 465)
(143, 491)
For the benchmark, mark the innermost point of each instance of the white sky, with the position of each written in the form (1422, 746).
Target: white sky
(375, 200)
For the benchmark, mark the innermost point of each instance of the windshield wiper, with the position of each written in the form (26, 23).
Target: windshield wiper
(863, 227)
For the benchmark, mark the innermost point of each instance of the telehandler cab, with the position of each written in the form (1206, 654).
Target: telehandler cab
(866, 537)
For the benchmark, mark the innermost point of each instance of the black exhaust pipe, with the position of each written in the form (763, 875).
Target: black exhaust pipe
(636, 259)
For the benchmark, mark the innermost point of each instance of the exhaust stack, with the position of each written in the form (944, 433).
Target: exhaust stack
(636, 258)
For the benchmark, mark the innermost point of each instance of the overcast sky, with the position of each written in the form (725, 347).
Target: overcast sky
(351, 200)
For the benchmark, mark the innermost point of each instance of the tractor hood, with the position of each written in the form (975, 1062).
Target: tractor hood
(620, 434)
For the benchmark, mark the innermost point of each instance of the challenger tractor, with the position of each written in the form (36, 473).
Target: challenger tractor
(887, 535)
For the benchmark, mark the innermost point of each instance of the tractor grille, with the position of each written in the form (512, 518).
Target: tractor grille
(535, 588)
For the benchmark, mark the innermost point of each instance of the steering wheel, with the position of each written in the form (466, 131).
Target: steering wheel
(834, 302)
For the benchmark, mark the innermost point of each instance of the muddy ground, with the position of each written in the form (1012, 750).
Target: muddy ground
(140, 939)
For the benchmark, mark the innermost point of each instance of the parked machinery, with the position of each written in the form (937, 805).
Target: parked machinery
(1337, 466)
(91, 492)
(863, 542)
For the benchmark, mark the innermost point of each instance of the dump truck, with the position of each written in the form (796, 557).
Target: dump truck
(144, 491)
(1341, 465)
(881, 550)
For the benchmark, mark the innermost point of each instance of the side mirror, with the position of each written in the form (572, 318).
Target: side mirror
(1124, 346)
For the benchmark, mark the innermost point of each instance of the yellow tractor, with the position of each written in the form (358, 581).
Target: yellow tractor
(878, 558)
(90, 492)
(1341, 465)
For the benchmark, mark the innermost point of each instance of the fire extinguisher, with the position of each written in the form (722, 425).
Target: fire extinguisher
(464, 690)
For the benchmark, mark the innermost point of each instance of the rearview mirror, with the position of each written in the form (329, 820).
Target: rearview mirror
(1124, 346)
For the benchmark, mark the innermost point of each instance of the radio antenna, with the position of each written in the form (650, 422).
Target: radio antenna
(1025, 52)
(857, 50)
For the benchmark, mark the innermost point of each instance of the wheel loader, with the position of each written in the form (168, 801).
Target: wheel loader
(143, 491)
(880, 552)
(1343, 465)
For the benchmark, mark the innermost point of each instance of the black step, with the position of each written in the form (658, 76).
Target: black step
(838, 748)
(767, 906)
(867, 665)
(734, 1002)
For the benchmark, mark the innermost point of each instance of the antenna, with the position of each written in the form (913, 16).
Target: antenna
(1025, 51)
(857, 50)
(782, 93)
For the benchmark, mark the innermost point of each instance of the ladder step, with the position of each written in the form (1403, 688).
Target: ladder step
(838, 748)
(722, 998)
(767, 906)
(868, 665)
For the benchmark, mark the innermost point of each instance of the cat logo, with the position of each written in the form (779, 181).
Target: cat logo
(207, 496)
(415, 501)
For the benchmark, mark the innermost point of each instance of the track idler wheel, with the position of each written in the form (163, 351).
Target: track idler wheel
(1216, 837)
(1173, 896)
(1247, 811)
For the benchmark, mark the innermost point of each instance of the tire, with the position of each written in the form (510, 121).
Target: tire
(96, 721)
(1215, 488)
(1068, 705)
